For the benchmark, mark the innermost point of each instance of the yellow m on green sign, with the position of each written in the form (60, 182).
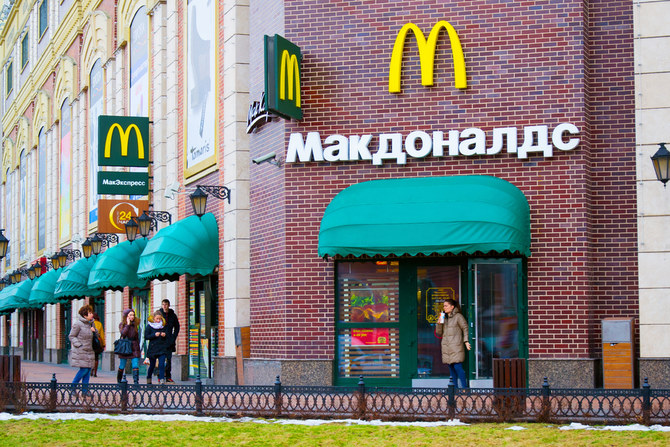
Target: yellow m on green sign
(427, 55)
(122, 141)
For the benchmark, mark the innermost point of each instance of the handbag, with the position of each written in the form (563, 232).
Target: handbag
(123, 346)
(96, 343)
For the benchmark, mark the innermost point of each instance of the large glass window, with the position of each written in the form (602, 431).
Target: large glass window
(41, 190)
(368, 314)
(24, 51)
(44, 17)
(23, 169)
(9, 78)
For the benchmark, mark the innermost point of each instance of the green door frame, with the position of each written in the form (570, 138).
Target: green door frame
(407, 324)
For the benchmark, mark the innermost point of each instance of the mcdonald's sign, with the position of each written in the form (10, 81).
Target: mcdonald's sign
(282, 77)
(427, 55)
(123, 141)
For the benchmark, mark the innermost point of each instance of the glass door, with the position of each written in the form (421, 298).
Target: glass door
(499, 329)
(66, 325)
(140, 304)
(435, 284)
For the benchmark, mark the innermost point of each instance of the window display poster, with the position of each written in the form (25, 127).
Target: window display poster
(95, 110)
(65, 227)
(200, 86)
(370, 337)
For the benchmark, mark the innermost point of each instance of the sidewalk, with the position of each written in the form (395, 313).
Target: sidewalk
(43, 372)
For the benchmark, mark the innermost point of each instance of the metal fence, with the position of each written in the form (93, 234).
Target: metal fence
(644, 405)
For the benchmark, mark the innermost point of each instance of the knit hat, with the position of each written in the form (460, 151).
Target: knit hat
(126, 312)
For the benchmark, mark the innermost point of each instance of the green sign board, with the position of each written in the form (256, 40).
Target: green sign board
(123, 141)
(123, 183)
(282, 77)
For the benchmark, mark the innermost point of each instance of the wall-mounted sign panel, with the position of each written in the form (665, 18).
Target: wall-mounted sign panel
(113, 214)
(123, 183)
(282, 77)
(123, 141)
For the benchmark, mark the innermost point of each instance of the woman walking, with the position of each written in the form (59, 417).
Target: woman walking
(82, 355)
(129, 328)
(453, 329)
(158, 346)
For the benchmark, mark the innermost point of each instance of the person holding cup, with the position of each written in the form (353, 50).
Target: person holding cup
(453, 329)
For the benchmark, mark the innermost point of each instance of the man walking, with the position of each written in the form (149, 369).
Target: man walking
(171, 330)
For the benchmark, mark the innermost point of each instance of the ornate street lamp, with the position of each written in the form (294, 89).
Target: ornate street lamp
(87, 248)
(4, 242)
(96, 244)
(131, 229)
(199, 197)
(55, 263)
(65, 253)
(149, 221)
(661, 160)
(16, 276)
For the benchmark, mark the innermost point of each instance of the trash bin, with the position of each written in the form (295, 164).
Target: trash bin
(618, 353)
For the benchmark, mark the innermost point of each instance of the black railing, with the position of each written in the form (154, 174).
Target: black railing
(644, 406)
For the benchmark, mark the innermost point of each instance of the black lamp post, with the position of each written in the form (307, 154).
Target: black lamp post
(37, 268)
(66, 254)
(16, 276)
(661, 160)
(199, 197)
(4, 242)
(144, 222)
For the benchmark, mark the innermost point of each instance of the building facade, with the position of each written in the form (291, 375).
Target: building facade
(386, 200)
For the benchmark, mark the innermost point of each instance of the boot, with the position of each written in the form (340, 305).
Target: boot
(148, 380)
(119, 375)
(161, 381)
(136, 376)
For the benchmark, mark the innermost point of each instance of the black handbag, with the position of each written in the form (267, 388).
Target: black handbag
(96, 343)
(123, 346)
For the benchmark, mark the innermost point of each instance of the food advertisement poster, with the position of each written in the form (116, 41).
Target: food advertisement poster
(370, 337)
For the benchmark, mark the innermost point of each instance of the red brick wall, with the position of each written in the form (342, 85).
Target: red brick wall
(528, 63)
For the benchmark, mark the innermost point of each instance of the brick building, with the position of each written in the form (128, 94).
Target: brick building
(558, 76)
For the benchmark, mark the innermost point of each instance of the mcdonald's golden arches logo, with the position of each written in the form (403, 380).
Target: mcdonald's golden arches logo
(123, 141)
(282, 77)
(427, 55)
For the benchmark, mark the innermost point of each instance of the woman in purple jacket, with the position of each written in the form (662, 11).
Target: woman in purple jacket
(129, 328)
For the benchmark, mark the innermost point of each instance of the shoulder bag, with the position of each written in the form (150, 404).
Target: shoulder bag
(123, 346)
(96, 343)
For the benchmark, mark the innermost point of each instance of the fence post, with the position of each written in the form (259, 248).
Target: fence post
(124, 394)
(198, 396)
(53, 394)
(278, 398)
(362, 400)
(646, 402)
(546, 404)
(451, 394)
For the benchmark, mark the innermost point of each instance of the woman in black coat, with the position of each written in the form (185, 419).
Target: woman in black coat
(158, 346)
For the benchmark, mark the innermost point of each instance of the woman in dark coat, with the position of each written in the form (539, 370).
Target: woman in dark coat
(82, 355)
(158, 346)
(129, 328)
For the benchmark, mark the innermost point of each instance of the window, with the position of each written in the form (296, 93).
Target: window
(24, 51)
(44, 17)
(10, 76)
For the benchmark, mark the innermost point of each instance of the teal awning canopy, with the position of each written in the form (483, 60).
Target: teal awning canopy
(426, 215)
(189, 246)
(17, 296)
(73, 280)
(116, 267)
(43, 290)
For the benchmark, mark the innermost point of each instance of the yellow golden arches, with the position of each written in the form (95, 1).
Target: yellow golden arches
(427, 55)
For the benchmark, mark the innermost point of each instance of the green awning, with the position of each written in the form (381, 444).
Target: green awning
(43, 290)
(17, 297)
(73, 280)
(189, 246)
(116, 267)
(426, 215)
(4, 298)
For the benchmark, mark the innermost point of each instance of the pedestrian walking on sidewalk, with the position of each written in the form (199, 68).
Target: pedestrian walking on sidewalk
(129, 328)
(158, 346)
(100, 333)
(453, 329)
(81, 354)
(172, 331)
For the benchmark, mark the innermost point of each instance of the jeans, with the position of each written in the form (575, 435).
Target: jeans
(84, 374)
(168, 365)
(135, 361)
(161, 366)
(458, 374)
